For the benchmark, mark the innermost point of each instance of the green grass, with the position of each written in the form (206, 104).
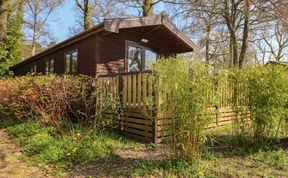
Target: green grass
(42, 145)
(226, 156)
(168, 168)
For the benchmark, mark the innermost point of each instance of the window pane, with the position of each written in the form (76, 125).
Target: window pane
(51, 66)
(150, 59)
(47, 67)
(67, 63)
(134, 59)
(74, 61)
(34, 68)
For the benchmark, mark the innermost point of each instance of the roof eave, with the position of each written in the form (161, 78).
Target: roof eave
(114, 25)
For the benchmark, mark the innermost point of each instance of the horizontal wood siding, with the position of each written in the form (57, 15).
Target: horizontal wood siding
(86, 59)
(112, 47)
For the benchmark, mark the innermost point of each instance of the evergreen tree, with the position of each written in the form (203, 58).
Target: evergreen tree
(11, 48)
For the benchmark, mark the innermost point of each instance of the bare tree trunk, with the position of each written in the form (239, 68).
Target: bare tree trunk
(245, 32)
(230, 61)
(34, 38)
(3, 18)
(86, 10)
(147, 8)
(229, 16)
(207, 45)
(87, 15)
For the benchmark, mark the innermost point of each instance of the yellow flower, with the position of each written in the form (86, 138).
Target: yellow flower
(68, 154)
(74, 149)
(78, 134)
(201, 174)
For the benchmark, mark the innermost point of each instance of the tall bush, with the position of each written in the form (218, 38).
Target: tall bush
(268, 98)
(58, 101)
(183, 87)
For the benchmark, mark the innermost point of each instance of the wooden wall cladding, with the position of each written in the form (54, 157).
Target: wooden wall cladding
(86, 59)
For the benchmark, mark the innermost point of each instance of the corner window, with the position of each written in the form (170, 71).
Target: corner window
(139, 58)
(150, 59)
(34, 68)
(49, 66)
(71, 62)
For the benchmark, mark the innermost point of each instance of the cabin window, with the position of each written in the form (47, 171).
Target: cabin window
(71, 62)
(139, 58)
(34, 68)
(49, 66)
(134, 59)
(150, 59)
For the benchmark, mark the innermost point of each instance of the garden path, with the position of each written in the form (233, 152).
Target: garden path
(12, 164)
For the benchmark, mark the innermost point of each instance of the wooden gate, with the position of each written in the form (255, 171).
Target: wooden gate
(137, 98)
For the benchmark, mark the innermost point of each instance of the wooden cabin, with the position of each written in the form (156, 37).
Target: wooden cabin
(116, 45)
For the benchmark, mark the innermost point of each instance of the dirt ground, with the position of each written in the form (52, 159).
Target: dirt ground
(123, 163)
(120, 164)
(11, 163)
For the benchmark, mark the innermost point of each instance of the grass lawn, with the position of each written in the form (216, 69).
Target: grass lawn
(111, 155)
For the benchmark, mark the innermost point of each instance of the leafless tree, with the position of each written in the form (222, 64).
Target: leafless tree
(277, 42)
(92, 12)
(37, 13)
(145, 7)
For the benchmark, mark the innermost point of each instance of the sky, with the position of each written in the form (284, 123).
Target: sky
(64, 18)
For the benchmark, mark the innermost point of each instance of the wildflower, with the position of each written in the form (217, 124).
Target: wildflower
(201, 174)
(78, 134)
(68, 154)
(74, 149)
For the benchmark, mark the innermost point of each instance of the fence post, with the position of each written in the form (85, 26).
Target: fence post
(155, 94)
(120, 88)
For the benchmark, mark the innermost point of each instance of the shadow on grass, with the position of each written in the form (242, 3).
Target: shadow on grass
(113, 166)
(230, 146)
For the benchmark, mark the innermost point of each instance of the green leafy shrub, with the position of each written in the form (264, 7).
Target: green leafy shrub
(268, 98)
(184, 86)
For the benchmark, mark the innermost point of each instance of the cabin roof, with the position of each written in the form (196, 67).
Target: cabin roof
(115, 25)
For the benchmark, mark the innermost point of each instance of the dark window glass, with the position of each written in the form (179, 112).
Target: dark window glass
(47, 67)
(67, 63)
(51, 66)
(74, 62)
(34, 68)
(71, 62)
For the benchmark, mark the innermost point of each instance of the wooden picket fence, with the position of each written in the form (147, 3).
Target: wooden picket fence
(140, 105)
